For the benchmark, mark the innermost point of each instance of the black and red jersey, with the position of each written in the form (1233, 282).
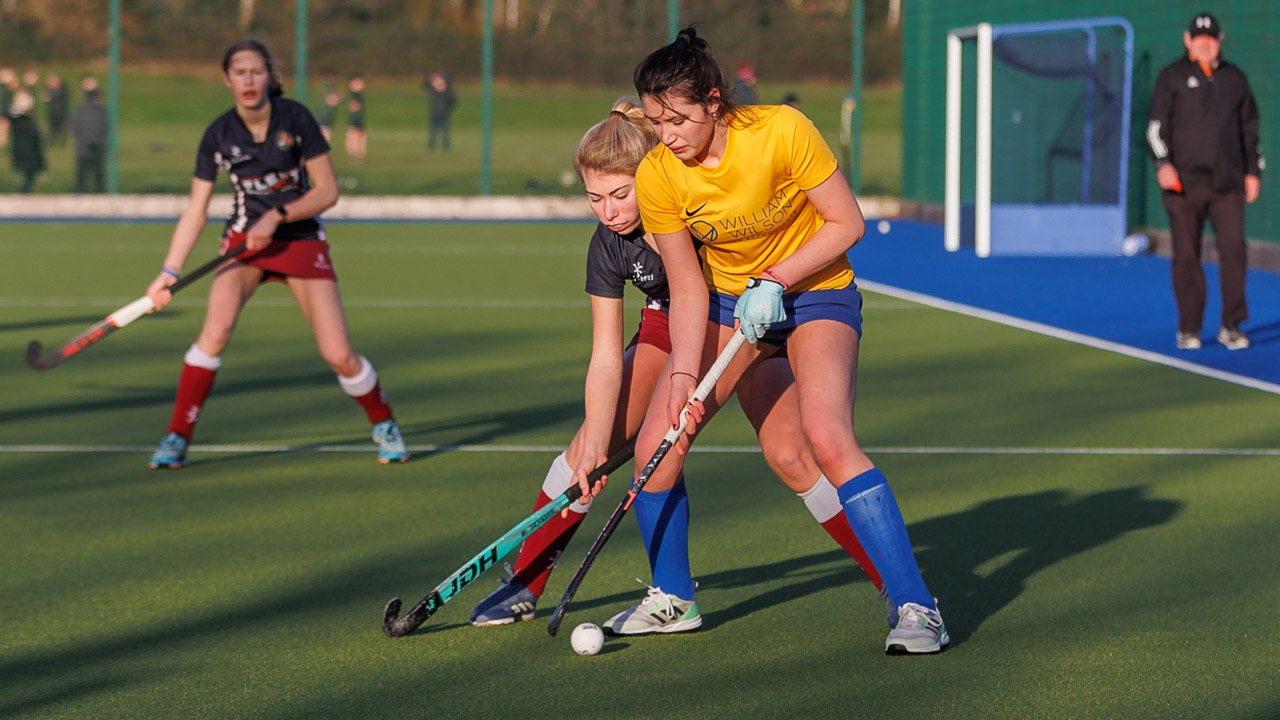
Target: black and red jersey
(268, 174)
(614, 259)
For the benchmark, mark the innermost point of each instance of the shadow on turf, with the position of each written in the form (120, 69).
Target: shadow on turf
(1021, 535)
(1264, 334)
(478, 430)
(85, 320)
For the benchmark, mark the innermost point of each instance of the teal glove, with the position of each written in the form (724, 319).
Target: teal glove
(759, 306)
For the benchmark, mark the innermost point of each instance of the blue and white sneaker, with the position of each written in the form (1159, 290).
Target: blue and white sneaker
(390, 445)
(659, 612)
(171, 454)
(512, 602)
(919, 630)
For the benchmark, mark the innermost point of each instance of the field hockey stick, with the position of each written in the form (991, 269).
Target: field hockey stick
(704, 389)
(395, 626)
(117, 319)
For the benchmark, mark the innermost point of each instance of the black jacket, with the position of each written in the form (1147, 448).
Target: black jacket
(1206, 125)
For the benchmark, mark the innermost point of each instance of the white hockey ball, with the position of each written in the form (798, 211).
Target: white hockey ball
(587, 639)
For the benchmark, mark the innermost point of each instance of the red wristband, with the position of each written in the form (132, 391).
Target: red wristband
(774, 276)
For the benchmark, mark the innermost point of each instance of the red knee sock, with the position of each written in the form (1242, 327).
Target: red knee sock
(840, 531)
(375, 405)
(194, 385)
(540, 550)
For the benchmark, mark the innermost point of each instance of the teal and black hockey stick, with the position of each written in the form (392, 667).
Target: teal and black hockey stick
(642, 478)
(395, 626)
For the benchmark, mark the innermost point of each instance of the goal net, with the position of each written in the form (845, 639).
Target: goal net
(1038, 137)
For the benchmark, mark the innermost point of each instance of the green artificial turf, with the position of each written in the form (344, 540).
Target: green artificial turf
(251, 583)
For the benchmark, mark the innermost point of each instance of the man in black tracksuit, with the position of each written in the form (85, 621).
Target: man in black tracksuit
(1203, 132)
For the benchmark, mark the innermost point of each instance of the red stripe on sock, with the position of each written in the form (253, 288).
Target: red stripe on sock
(375, 405)
(540, 550)
(194, 386)
(838, 528)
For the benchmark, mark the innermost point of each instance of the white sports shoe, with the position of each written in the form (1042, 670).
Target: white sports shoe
(919, 630)
(659, 612)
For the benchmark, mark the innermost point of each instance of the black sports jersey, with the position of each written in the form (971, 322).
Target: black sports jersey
(264, 175)
(613, 259)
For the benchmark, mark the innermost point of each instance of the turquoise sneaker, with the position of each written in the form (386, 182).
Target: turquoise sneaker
(512, 602)
(657, 613)
(919, 630)
(171, 454)
(390, 445)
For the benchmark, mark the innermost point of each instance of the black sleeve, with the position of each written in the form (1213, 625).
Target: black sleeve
(1253, 161)
(206, 162)
(1159, 116)
(604, 278)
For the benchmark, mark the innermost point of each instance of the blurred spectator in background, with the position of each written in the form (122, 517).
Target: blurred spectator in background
(8, 84)
(55, 109)
(31, 80)
(744, 92)
(440, 100)
(89, 130)
(357, 140)
(791, 99)
(1203, 132)
(327, 114)
(25, 149)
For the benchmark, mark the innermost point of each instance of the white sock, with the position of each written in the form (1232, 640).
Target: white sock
(196, 357)
(822, 500)
(559, 478)
(363, 383)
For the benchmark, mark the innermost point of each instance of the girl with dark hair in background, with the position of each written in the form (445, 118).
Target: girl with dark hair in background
(282, 179)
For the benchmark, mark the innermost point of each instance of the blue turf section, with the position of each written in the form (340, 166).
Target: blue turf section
(1123, 300)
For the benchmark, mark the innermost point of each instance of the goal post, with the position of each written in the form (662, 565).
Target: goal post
(1048, 137)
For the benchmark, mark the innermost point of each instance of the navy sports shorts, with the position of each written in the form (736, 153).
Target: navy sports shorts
(842, 305)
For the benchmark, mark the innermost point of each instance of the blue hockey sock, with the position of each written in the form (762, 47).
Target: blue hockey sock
(873, 513)
(664, 525)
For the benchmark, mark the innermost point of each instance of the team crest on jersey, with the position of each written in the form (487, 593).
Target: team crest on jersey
(704, 231)
(284, 141)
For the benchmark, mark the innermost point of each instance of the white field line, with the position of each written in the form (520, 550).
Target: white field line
(111, 303)
(1069, 336)
(288, 302)
(725, 449)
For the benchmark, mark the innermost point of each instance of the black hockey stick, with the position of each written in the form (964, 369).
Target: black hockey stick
(704, 389)
(117, 319)
(395, 626)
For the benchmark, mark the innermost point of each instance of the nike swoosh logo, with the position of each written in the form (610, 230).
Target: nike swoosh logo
(695, 211)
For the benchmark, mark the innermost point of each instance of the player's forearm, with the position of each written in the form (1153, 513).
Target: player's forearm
(688, 327)
(824, 247)
(185, 235)
(311, 203)
(603, 384)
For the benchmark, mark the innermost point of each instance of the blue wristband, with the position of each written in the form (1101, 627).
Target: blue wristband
(170, 273)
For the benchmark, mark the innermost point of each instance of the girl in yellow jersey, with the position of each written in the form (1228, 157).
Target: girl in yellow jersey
(758, 189)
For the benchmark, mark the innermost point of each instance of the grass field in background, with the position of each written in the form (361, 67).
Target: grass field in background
(535, 129)
(1096, 528)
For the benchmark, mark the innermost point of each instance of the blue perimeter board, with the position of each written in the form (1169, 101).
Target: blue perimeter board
(1123, 300)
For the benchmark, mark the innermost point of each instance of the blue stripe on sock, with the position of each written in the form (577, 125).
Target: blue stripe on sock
(664, 524)
(876, 520)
